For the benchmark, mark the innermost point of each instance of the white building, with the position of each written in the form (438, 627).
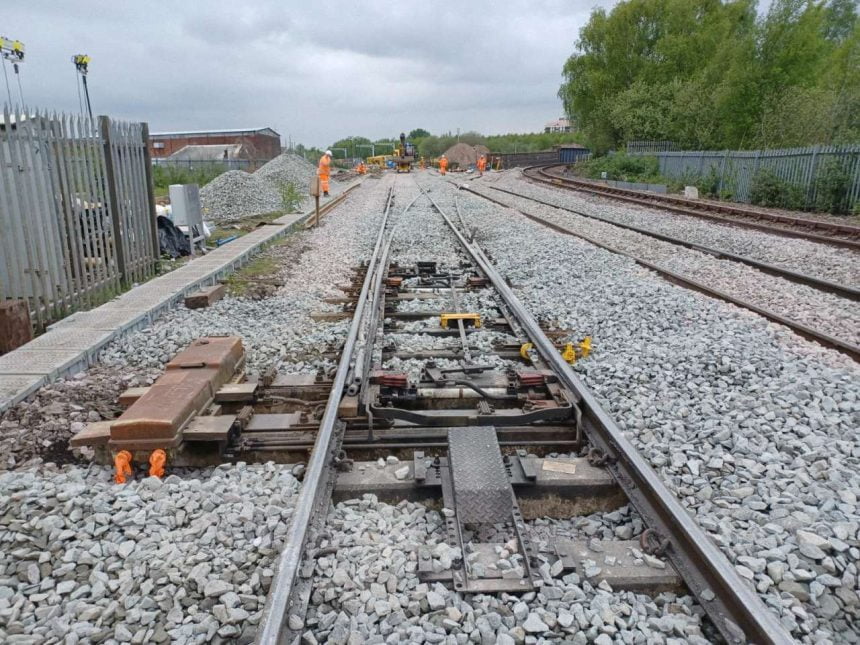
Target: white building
(559, 125)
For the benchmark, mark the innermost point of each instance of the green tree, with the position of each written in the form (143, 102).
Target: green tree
(418, 133)
(711, 74)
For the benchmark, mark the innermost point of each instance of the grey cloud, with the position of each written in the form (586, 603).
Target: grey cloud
(315, 71)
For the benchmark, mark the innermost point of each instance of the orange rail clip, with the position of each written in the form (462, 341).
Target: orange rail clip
(156, 463)
(122, 463)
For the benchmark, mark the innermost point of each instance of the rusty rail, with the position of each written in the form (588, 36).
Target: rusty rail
(841, 235)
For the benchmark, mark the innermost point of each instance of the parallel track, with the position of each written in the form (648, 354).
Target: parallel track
(801, 329)
(841, 235)
(842, 290)
(736, 610)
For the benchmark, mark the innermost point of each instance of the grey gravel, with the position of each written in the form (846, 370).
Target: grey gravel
(376, 546)
(819, 310)
(753, 428)
(276, 330)
(827, 262)
(236, 194)
(186, 559)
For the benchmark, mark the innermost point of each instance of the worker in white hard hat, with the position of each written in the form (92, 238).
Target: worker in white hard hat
(324, 172)
(443, 165)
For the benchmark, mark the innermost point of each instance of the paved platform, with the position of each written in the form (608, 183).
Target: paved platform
(72, 344)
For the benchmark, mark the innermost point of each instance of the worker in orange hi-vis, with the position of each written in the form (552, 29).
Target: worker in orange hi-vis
(482, 165)
(324, 172)
(443, 165)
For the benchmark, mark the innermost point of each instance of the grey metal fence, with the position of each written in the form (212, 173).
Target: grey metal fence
(77, 214)
(636, 147)
(225, 164)
(734, 170)
(518, 159)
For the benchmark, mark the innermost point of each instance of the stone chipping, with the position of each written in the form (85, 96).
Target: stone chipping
(236, 194)
(838, 265)
(185, 559)
(277, 330)
(827, 312)
(368, 591)
(188, 558)
(752, 427)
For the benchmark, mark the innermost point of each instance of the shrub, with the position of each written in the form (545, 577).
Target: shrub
(624, 167)
(290, 196)
(163, 175)
(832, 185)
(767, 189)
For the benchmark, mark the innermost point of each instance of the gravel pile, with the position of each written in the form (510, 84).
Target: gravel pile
(185, 559)
(288, 168)
(237, 194)
(369, 591)
(753, 428)
(826, 312)
(827, 262)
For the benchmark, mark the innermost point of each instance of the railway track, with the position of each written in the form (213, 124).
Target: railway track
(825, 339)
(463, 424)
(478, 426)
(841, 235)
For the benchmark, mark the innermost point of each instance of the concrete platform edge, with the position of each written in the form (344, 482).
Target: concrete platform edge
(233, 259)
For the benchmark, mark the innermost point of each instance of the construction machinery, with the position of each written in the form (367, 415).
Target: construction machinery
(405, 155)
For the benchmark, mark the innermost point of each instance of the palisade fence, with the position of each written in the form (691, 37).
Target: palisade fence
(636, 147)
(217, 164)
(733, 171)
(77, 212)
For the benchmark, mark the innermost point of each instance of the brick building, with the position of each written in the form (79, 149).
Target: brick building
(258, 143)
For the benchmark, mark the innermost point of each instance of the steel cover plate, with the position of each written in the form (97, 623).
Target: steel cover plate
(482, 491)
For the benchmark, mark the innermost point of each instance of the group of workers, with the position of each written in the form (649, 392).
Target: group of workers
(481, 165)
(324, 169)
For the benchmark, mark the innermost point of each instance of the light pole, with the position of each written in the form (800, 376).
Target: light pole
(82, 62)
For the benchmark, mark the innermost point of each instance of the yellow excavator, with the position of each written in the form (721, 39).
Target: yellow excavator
(405, 155)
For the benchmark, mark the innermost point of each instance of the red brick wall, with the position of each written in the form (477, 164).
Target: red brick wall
(259, 146)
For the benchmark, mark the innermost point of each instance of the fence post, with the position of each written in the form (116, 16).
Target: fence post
(722, 174)
(113, 202)
(150, 187)
(810, 185)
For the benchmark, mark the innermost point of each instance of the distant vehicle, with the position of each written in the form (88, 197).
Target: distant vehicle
(406, 155)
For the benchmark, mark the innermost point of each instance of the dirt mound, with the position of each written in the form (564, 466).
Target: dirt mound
(482, 150)
(462, 155)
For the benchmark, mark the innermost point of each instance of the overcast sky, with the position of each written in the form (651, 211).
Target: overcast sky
(315, 72)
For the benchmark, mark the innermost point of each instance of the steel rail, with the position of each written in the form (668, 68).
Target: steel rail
(316, 488)
(325, 208)
(842, 290)
(849, 349)
(736, 610)
(739, 216)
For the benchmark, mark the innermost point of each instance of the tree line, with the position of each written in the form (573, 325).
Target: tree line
(707, 74)
(431, 146)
